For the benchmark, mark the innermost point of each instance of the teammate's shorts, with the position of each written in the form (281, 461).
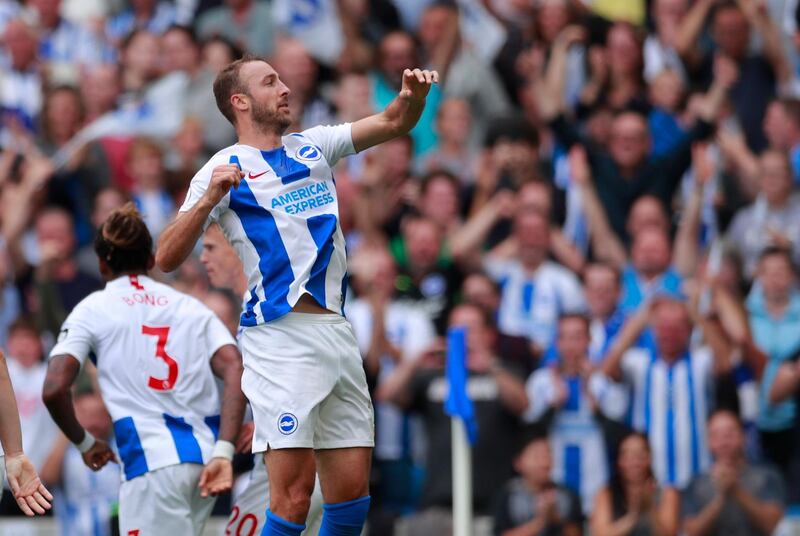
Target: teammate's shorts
(166, 501)
(304, 378)
(250, 506)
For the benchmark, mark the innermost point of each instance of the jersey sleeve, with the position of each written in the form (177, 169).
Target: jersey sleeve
(217, 335)
(335, 141)
(198, 187)
(76, 337)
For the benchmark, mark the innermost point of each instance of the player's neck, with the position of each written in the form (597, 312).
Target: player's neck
(263, 140)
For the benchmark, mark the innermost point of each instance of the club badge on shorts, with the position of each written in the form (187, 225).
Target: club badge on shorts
(287, 423)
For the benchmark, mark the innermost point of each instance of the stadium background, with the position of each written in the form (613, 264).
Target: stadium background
(108, 101)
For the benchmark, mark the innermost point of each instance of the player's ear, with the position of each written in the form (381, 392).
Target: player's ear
(240, 102)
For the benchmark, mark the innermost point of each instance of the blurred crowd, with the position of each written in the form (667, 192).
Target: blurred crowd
(604, 192)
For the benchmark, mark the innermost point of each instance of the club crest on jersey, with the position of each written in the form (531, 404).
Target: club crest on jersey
(287, 423)
(308, 152)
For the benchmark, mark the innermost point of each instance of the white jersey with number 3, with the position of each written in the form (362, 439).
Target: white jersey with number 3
(152, 346)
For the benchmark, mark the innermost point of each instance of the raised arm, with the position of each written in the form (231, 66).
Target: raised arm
(757, 15)
(31, 495)
(179, 238)
(400, 116)
(686, 253)
(605, 243)
(786, 383)
(689, 30)
(628, 335)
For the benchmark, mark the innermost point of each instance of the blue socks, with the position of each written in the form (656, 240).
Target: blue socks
(345, 518)
(276, 526)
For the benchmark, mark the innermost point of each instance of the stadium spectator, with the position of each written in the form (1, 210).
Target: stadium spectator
(85, 501)
(601, 282)
(453, 154)
(105, 202)
(21, 86)
(100, 88)
(221, 263)
(774, 313)
(146, 168)
(756, 74)
(787, 386)
(398, 50)
(155, 16)
(533, 503)
(499, 399)
(774, 216)
(782, 130)
(247, 23)
(671, 384)
(389, 332)
(27, 370)
(734, 497)
(64, 45)
(563, 400)
(659, 47)
(535, 289)
(426, 276)
(633, 504)
(181, 52)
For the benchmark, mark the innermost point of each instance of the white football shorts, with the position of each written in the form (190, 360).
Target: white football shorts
(304, 378)
(250, 506)
(164, 501)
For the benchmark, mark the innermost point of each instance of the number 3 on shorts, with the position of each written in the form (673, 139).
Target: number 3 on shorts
(162, 384)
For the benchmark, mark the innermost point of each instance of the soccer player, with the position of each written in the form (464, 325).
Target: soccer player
(157, 352)
(275, 199)
(31, 495)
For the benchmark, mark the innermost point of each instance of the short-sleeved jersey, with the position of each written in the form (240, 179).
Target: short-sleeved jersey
(671, 405)
(283, 220)
(531, 303)
(152, 346)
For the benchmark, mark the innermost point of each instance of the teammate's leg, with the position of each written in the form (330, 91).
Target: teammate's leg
(344, 476)
(292, 474)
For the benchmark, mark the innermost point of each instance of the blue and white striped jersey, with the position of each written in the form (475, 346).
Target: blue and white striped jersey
(671, 405)
(580, 461)
(152, 346)
(283, 220)
(531, 302)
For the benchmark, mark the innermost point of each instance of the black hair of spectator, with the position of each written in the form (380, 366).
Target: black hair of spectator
(530, 434)
(513, 128)
(188, 31)
(604, 265)
(436, 174)
(616, 486)
(124, 242)
(777, 251)
(229, 83)
(46, 104)
(574, 315)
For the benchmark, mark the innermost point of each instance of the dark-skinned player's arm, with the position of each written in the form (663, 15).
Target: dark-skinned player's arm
(400, 116)
(217, 477)
(178, 239)
(57, 395)
(29, 492)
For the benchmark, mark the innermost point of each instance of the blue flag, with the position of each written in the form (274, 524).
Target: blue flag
(458, 403)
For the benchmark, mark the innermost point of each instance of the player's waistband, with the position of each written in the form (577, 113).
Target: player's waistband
(312, 318)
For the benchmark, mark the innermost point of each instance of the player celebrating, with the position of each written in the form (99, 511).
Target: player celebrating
(157, 352)
(275, 199)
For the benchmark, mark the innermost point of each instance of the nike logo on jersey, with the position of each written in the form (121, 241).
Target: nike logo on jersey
(257, 175)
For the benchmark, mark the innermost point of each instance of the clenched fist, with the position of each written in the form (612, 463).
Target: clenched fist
(223, 178)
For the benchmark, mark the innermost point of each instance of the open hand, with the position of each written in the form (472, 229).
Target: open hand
(31, 495)
(417, 83)
(217, 477)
